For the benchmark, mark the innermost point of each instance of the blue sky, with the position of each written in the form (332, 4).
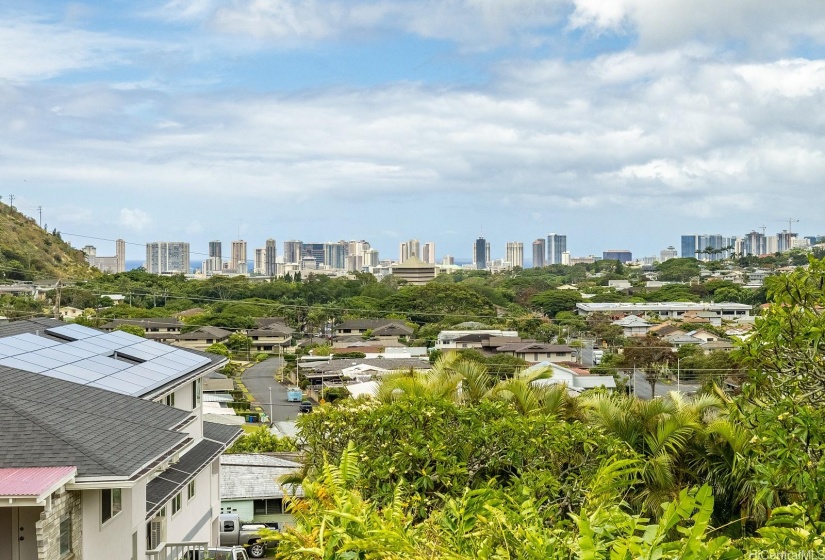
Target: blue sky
(621, 123)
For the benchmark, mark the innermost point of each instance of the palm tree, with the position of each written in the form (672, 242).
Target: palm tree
(663, 431)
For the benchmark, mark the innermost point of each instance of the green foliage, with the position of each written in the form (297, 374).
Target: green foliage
(678, 270)
(132, 329)
(218, 348)
(552, 302)
(261, 440)
(238, 341)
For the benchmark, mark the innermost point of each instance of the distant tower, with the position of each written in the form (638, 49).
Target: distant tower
(237, 262)
(428, 253)
(539, 249)
(515, 254)
(215, 249)
(120, 254)
(556, 245)
(293, 251)
(270, 258)
(480, 251)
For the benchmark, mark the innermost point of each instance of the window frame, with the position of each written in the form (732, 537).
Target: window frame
(190, 490)
(113, 498)
(65, 532)
(177, 503)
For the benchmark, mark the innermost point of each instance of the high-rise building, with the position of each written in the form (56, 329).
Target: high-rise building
(667, 254)
(480, 253)
(316, 251)
(707, 247)
(621, 255)
(785, 241)
(539, 250)
(514, 254)
(355, 263)
(270, 258)
(120, 253)
(237, 261)
(448, 260)
(335, 255)
(293, 251)
(371, 257)
(167, 257)
(411, 248)
(211, 265)
(216, 249)
(556, 245)
(428, 253)
(259, 264)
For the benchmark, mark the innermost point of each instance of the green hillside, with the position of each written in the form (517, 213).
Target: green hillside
(28, 252)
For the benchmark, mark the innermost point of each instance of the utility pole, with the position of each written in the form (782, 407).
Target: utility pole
(11, 201)
(40, 211)
(57, 301)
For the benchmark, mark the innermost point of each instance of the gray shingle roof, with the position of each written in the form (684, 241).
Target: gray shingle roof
(51, 422)
(204, 333)
(368, 324)
(161, 488)
(254, 476)
(221, 433)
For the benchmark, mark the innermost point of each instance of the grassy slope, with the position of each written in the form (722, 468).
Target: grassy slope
(28, 252)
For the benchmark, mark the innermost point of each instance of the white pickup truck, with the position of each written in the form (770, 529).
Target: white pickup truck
(235, 533)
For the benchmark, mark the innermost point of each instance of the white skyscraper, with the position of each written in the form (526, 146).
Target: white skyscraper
(514, 253)
(409, 249)
(428, 253)
(237, 262)
(167, 257)
(556, 245)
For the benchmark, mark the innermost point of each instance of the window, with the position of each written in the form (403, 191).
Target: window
(228, 526)
(169, 400)
(190, 490)
(176, 503)
(65, 535)
(268, 507)
(196, 392)
(110, 503)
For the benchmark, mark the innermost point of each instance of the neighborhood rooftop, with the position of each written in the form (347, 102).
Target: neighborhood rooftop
(115, 361)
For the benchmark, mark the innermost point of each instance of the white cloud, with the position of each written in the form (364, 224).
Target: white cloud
(33, 50)
(765, 24)
(474, 23)
(134, 219)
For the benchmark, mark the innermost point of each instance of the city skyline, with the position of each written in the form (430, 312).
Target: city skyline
(389, 120)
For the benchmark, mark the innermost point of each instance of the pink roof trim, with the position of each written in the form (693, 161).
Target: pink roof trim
(33, 481)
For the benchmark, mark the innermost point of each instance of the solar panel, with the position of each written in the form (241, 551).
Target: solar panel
(39, 360)
(6, 351)
(118, 386)
(19, 364)
(38, 341)
(88, 346)
(85, 374)
(58, 374)
(96, 367)
(110, 362)
(56, 354)
(73, 332)
(132, 352)
(147, 373)
(20, 344)
(154, 366)
(153, 348)
(105, 342)
(127, 338)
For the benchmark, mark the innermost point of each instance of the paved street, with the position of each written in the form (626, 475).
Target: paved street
(258, 379)
(663, 387)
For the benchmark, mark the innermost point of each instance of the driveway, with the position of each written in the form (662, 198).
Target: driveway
(258, 380)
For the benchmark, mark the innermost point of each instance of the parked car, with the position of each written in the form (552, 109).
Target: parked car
(237, 534)
(218, 553)
(306, 406)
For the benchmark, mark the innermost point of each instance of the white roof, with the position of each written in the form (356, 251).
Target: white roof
(575, 382)
(663, 306)
(256, 476)
(632, 321)
(368, 388)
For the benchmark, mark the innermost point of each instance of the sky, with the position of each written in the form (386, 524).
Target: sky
(620, 123)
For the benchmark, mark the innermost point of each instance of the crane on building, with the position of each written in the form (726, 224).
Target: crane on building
(790, 221)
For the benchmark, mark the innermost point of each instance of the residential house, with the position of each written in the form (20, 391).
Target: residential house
(203, 337)
(449, 339)
(270, 338)
(251, 487)
(666, 310)
(702, 317)
(160, 329)
(539, 352)
(716, 345)
(384, 330)
(576, 382)
(336, 371)
(665, 329)
(679, 340)
(103, 451)
(69, 312)
(704, 335)
(633, 326)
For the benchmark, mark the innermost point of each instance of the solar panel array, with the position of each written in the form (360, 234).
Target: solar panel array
(115, 361)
